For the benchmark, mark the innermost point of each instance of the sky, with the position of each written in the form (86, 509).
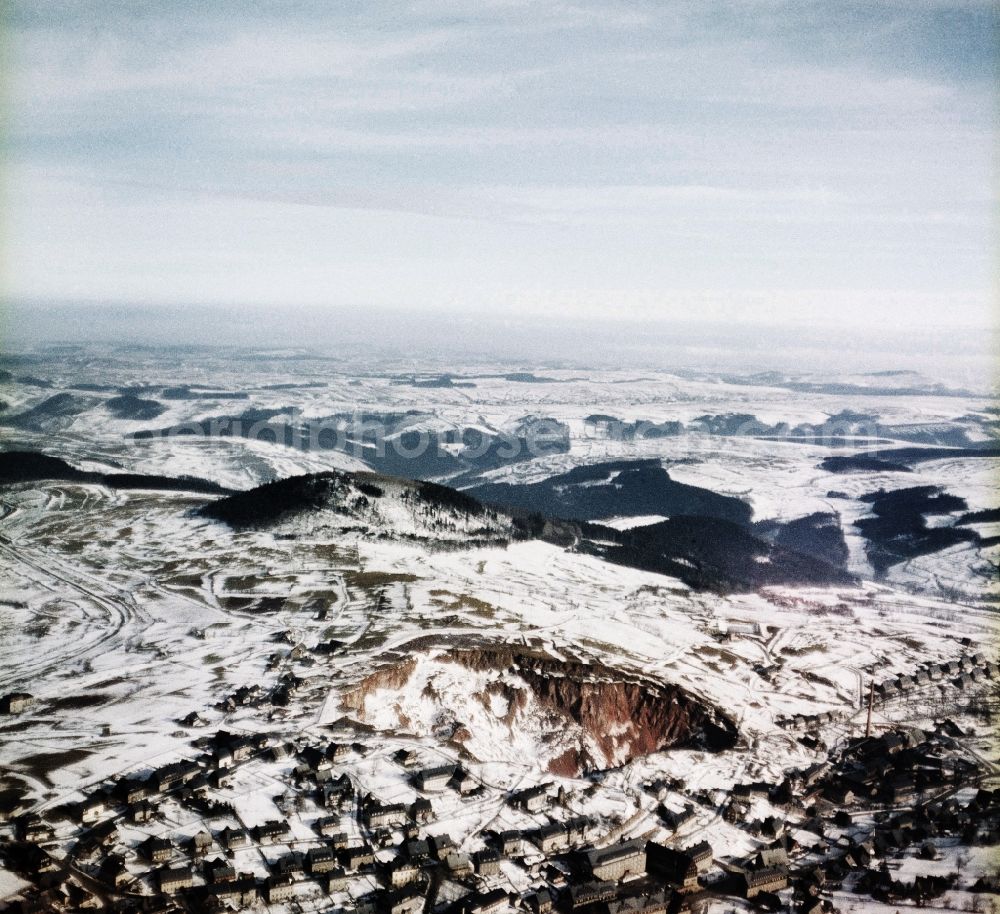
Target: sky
(755, 161)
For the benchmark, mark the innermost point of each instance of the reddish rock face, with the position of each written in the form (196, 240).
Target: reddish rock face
(629, 719)
(624, 715)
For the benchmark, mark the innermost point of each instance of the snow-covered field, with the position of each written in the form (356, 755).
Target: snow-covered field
(122, 611)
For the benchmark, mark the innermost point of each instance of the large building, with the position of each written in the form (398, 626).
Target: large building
(674, 867)
(610, 864)
(771, 879)
(173, 879)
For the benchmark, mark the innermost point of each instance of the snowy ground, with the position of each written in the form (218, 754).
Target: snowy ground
(122, 612)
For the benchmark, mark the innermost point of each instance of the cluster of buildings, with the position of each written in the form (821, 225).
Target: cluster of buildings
(392, 857)
(357, 841)
(961, 674)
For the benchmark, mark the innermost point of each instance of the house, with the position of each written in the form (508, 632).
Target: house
(236, 894)
(674, 867)
(93, 809)
(79, 899)
(338, 751)
(441, 846)
(174, 775)
(112, 872)
(463, 782)
(406, 901)
(222, 757)
(316, 759)
(289, 864)
(271, 832)
(421, 811)
(233, 838)
(417, 849)
(369, 904)
(815, 878)
(771, 827)
(857, 856)
(555, 875)
(105, 833)
(35, 829)
(662, 901)
(611, 864)
(281, 751)
(132, 790)
(201, 844)
(220, 780)
(331, 646)
(219, 870)
(702, 855)
(15, 702)
(157, 850)
(552, 837)
(809, 776)
(405, 757)
(771, 879)
(173, 879)
(327, 826)
(539, 902)
(486, 903)
(337, 880)
(770, 857)
(673, 819)
(886, 690)
(278, 889)
(458, 865)
(86, 850)
(243, 748)
(339, 841)
(320, 860)
(334, 794)
(434, 779)
(533, 799)
(591, 893)
(140, 812)
(403, 872)
(376, 815)
(510, 843)
(354, 858)
(487, 862)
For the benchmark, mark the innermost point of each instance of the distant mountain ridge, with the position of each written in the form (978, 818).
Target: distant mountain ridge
(32, 466)
(614, 489)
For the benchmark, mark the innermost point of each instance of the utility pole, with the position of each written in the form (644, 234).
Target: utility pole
(871, 702)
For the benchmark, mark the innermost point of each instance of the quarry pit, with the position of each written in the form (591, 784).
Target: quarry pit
(515, 704)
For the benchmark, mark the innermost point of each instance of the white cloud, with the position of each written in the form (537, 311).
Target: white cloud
(501, 150)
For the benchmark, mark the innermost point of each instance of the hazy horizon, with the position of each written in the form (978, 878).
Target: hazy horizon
(431, 341)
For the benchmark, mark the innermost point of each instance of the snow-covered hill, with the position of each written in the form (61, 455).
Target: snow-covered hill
(378, 506)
